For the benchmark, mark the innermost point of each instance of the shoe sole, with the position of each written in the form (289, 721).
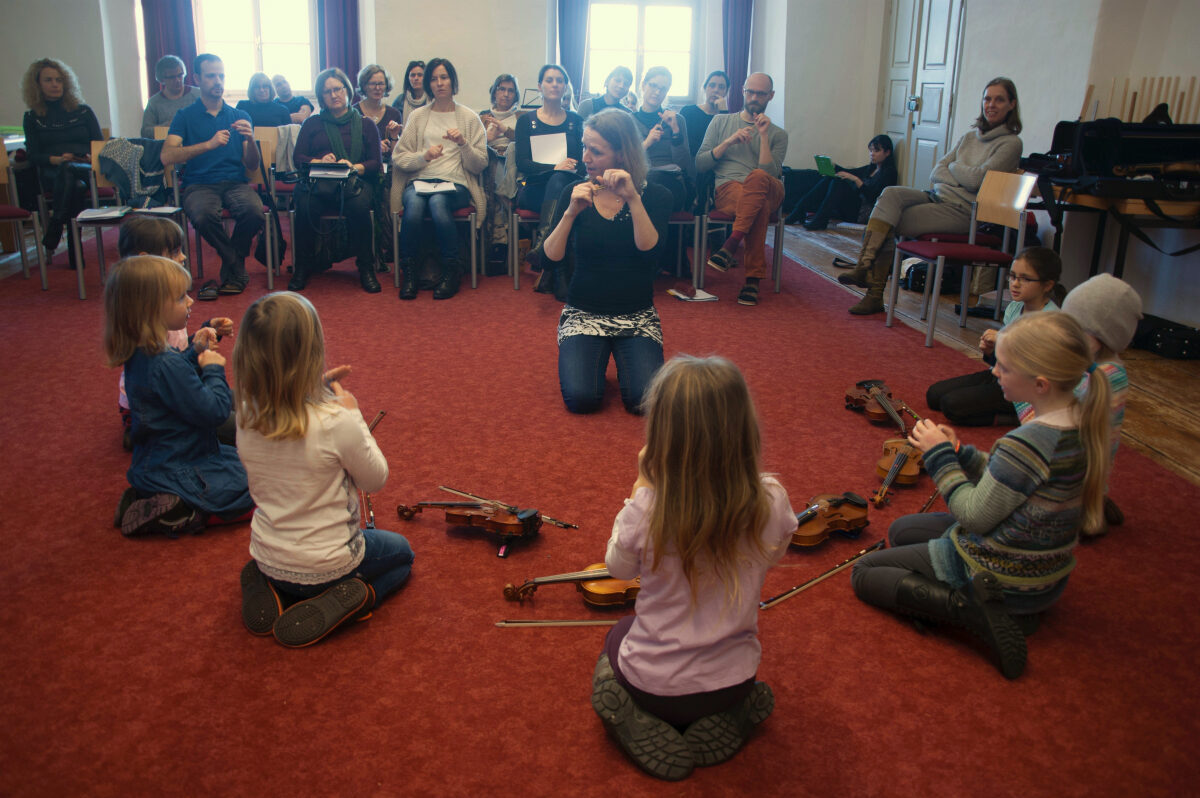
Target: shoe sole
(716, 738)
(849, 279)
(713, 264)
(307, 622)
(142, 515)
(127, 499)
(260, 603)
(653, 744)
(1002, 633)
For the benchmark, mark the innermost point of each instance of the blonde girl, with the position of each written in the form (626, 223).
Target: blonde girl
(182, 477)
(307, 451)
(675, 685)
(1003, 553)
(142, 234)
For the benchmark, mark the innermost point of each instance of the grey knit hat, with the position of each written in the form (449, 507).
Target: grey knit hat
(1106, 307)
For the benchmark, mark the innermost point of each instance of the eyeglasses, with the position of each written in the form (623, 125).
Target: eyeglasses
(334, 91)
(753, 93)
(656, 87)
(1013, 277)
(377, 84)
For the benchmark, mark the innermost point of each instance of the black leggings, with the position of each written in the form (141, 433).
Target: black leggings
(972, 400)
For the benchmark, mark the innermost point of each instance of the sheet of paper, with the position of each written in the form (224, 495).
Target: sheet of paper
(103, 213)
(550, 148)
(426, 188)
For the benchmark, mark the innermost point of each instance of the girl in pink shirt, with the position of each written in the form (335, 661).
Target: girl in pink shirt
(675, 685)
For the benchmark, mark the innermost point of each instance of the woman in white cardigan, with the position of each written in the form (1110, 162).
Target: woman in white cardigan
(438, 162)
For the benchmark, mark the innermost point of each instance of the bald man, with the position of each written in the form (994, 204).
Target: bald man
(745, 151)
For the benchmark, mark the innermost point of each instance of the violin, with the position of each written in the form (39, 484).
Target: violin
(901, 464)
(364, 497)
(510, 526)
(598, 588)
(845, 514)
(873, 399)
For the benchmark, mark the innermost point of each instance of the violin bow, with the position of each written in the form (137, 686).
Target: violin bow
(509, 507)
(787, 594)
(366, 497)
(517, 624)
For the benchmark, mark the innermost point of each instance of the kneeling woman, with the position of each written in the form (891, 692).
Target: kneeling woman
(336, 135)
(612, 223)
(443, 144)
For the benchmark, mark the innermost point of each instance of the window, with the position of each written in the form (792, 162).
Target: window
(641, 35)
(272, 36)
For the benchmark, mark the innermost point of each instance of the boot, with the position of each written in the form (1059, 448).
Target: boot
(872, 302)
(451, 274)
(366, 276)
(874, 236)
(53, 235)
(299, 278)
(408, 269)
(979, 607)
(545, 282)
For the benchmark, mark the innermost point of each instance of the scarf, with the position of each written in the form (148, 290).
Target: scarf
(411, 105)
(355, 120)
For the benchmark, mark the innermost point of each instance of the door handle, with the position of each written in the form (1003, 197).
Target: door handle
(914, 103)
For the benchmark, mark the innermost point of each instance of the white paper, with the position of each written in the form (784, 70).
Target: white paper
(159, 210)
(549, 148)
(103, 213)
(425, 188)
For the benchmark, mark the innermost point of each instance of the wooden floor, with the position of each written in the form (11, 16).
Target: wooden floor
(1160, 420)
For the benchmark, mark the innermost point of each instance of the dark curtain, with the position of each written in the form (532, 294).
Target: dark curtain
(738, 14)
(337, 35)
(169, 31)
(572, 40)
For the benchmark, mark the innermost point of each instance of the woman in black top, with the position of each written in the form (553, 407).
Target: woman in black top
(850, 193)
(665, 139)
(261, 105)
(339, 134)
(59, 131)
(698, 117)
(544, 182)
(611, 225)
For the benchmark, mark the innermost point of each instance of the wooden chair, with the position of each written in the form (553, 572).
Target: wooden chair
(17, 216)
(102, 190)
(1001, 200)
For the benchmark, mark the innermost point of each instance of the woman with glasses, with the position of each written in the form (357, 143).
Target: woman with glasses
(261, 105)
(500, 123)
(414, 95)
(337, 135)
(375, 84)
(438, 162)
(665, 139)
(975, 400)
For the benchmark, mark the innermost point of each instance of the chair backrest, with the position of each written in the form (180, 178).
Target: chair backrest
(7, 179)
(160, 131)
(105, 133)
(101, 180)
(1002, 198)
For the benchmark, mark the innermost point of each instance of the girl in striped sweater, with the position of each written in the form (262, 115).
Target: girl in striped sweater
(1002, 555)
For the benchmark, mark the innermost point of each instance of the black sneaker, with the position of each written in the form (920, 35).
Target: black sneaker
(653, 744)
(716, 738)
(145, 516)
(261, 606)
(309, 621)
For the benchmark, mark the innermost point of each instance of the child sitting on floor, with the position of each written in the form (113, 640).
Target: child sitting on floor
(307, 451)
(676, 682)
(1003, 553)
(1108, 309)
(182, 478)
(141, 234)
(975, 400)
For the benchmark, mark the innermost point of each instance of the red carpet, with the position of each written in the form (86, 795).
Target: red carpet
(126, 670)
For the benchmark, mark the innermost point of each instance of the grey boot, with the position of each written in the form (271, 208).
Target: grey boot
(874, 237)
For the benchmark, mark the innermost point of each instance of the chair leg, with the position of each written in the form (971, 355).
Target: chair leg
(514, 249)
(41, 251)
(74, 233)
(395, 249)
(778, 255)
(964, 294)
(374, 248)
(702, 257)
(269, 232)
(19, 227)
(895, 289)
(474, 251)
(937, 291)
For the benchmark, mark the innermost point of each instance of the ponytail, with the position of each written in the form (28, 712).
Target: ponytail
(1095, 427)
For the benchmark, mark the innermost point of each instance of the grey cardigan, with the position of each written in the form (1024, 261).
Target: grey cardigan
(408, 158)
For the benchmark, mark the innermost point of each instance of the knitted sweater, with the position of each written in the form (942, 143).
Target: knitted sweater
(740, 159)
(1017, 510)
(409, 159)
(958, 176)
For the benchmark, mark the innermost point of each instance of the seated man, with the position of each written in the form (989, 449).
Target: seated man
(299, 107)
(216, 142)
(160, 110)
(745, 152)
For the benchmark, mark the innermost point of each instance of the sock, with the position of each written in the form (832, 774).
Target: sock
(733, 242)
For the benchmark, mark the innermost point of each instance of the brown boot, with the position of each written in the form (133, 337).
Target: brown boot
(877, 279)
(874, 237)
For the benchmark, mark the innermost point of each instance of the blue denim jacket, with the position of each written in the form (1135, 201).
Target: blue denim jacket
(176, 409)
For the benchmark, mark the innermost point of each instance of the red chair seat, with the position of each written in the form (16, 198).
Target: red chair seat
(106, 192)
(13, 212)
(528, 216)
(681, 216)
(982, 239)
(284, 188)
(961, 253)
(464, 213)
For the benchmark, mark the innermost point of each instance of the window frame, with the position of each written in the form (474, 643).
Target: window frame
(639, 66)
(233, 94)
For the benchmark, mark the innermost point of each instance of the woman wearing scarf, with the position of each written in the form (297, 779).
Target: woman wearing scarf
(336, 135)
(500, 123)
(414, 95)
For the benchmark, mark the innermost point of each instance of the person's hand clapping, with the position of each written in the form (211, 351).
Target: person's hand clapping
(926, 434)
(455, 135)
(343, 396)
(205, 340)
(210, 357)
(434, 152)
(335, 374)
(244, 127)
(219, 139)
(223, 325)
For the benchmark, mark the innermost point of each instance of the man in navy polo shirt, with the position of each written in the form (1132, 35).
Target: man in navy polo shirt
(216, 141)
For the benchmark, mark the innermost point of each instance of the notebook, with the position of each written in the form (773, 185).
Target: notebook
(824, 165)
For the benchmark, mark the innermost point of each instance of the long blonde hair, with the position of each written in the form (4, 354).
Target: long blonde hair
(278, 363)
(31, 91)
(703, 453)
(1055, 347)
(135, 295)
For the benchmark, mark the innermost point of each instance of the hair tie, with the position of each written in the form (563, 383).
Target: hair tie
(1091, 367)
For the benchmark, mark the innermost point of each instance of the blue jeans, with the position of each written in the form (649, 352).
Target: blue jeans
(386, 564)
(441, 209)
(583, 359)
